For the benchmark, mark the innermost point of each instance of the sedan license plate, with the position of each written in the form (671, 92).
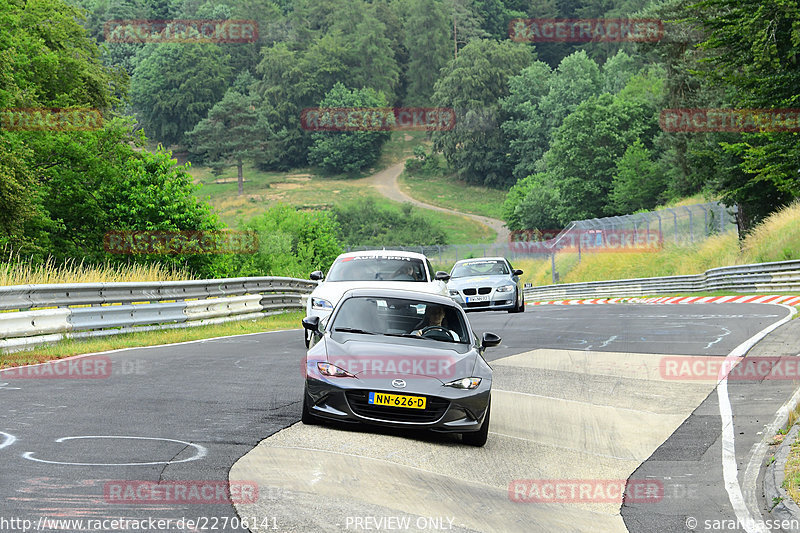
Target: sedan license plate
(477, 298)
(396, 400)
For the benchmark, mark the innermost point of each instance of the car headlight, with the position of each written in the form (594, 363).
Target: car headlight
(465, 383)
(319, 303)
(327, 369)
(505, 288)
(453, 293)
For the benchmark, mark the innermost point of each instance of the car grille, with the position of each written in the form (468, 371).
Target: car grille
(434, 409)
(481, 290)
(478, 304)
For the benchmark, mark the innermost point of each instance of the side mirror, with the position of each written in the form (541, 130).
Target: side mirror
(490, 339)
(517, 272)
(316, 275)
(441, 275)
(311, 323)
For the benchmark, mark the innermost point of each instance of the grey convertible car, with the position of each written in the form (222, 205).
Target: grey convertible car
(487, 284)
(399, 358)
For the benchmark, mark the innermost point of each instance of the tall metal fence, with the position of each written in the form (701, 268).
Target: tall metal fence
(680, 225)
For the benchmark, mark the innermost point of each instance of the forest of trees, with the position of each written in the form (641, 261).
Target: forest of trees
(570, 130)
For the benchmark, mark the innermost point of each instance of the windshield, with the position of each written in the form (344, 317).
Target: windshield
(377, 268)
(485, 267)
(396, 316)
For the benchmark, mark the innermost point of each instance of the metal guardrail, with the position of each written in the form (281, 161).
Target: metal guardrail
(759, 277)
(37, 314)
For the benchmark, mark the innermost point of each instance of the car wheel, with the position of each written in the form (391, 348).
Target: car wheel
(478, 438)
(517, 308)
(307, 418)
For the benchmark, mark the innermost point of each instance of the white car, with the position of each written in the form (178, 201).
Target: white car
(389, 269)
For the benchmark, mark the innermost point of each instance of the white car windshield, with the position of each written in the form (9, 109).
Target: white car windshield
(401, 317)
(377, 268)
(486, 267)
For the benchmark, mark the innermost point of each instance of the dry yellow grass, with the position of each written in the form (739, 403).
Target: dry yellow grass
(18, 273)
(776, 239)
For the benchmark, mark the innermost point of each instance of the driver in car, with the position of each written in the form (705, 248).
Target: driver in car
(434, 318)
(405, 273)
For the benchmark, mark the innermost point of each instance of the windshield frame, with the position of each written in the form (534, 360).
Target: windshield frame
(503, 262)
(338, 268)
(463, 329)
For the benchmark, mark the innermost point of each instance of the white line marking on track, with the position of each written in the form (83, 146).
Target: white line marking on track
(730, 471)
(710, 344)
(201, 451)
(8, 441)
(608, 340)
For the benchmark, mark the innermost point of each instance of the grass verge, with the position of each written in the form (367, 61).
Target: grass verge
(777, 238)
(454, 194)
(70, 347)
(791, 470)
(19, 273)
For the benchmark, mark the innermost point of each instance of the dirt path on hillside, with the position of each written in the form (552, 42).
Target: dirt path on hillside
(385, 182)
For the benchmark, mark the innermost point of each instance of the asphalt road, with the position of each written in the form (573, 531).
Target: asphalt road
(188, 412)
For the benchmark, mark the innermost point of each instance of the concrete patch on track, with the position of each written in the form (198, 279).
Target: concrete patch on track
(557, 416)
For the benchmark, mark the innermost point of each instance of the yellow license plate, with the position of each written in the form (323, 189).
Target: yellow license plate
(396, 400)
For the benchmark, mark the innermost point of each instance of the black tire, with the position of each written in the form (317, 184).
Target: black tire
(478, 438)
(518, 308)
(307, 418)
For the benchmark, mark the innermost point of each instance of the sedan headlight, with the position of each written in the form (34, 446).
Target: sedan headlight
(465, 383)
(505, 288)
(327, 369)
(319, 303)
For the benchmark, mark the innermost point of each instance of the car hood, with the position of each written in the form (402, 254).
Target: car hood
(333, 290)
(480, 281)
(390, 357)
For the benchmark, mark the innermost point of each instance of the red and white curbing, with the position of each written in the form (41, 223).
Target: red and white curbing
(746, 299)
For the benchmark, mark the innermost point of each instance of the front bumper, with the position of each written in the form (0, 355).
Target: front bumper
(493, 300)
(447, 409)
